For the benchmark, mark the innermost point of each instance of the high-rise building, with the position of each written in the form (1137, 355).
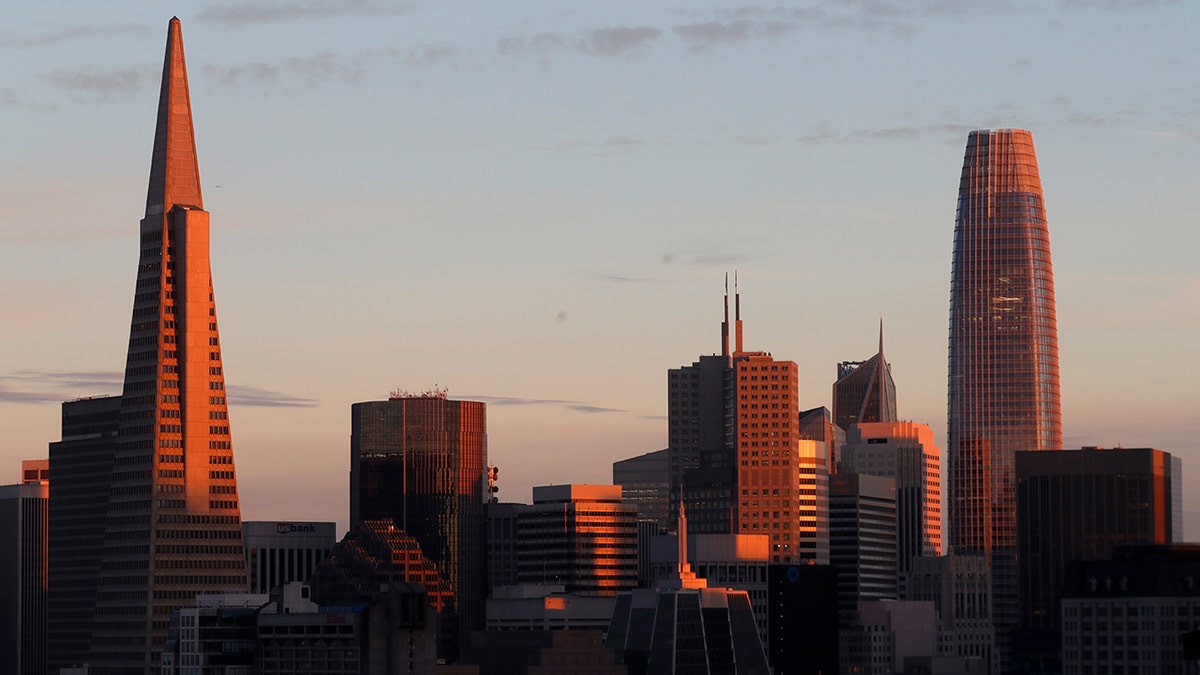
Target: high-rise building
(1134, 613)
(1080, 505)
(23, 576)
(864, 390)
(173, 525)
(502, 544)
(960, 588)
(684, 626)
(737, 454)
(645, 481)
(862, 539)
(581, 536)
(904, 452)
(802, 605)
(282, 552)
(816, 424)
(420, 460)
(1003, 372)
(80, 465)
(886, 637)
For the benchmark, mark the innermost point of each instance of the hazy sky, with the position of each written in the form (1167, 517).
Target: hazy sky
(535, 203)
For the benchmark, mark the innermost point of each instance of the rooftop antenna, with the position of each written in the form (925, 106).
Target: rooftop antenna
(725, 322)
(737, 315)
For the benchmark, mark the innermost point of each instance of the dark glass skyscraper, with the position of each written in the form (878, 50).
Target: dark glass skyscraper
(1003, 375)
(865, 390)
(420, 460)
(80, 468)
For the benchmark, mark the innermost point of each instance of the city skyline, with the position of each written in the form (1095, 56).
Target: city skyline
(449, 200)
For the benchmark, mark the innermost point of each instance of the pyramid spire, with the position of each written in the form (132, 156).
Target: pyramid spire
(174, 170)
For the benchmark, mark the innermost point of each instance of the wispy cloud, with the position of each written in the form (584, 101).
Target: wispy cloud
(951, 131)
(241, 395)
(428, 55)
(90, 83)
(611, 41)
(618, 40)
(48, 386)
(577, 406)
(313, 70)
(609, 147)
(42, 386)
(268, 11)
(15, 40)
(19, 396)
(708, 34)
(623, 279)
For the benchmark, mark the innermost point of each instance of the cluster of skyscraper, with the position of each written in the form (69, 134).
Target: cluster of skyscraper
(804, 541)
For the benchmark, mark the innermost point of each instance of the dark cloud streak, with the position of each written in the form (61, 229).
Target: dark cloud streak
(70, 385)
(14, 40)
(260, 12)
(577, 406)
(102, 85)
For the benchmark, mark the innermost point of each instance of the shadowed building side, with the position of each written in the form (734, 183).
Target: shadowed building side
(173, 521)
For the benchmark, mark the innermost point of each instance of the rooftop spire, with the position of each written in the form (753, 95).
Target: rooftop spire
(174, 171)
(881, 336)
(725, 322)
(737, 316)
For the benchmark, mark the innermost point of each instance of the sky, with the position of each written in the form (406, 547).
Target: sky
(535, 204)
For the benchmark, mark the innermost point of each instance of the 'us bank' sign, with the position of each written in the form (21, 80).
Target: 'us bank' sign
(288, 528)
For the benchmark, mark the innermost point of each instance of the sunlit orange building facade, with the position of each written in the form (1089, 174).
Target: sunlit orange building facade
(173, 526)
(1003, 366)
(736, 450)
(581, 536)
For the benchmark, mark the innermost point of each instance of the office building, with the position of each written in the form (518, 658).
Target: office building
(904, 452)
(580, 536)
(960, 588)
(862, 539)
(376, 555)
(802, 605)
(541, 607)
(420, 460)
(214, 635)
(173, 525)
(1130, 614)
(864, 390)
(701, 436)
(23, 575)
(1079, 505)
(886, 636)
(735, 449)
(736, 561)
(645, 481)
(683, 625)
(35, 470)
(1003, 390)
(282, 552)
(502, 544)
(579, 651)
(80, 465)
(816, 424)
